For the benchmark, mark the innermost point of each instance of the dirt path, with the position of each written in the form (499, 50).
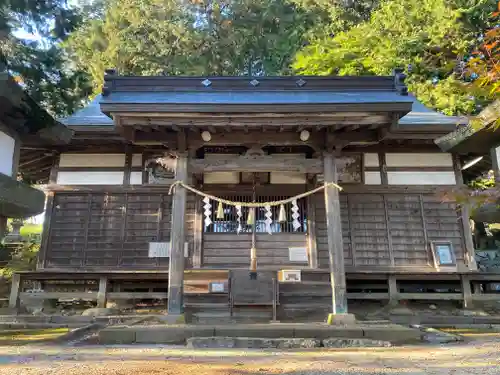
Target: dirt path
(479, 356)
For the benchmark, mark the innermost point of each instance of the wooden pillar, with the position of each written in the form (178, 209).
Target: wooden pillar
(334, 230)
(469, 253)
(393, 290)
(128, 168)
(102, 293)
(49, 207)
(311, 233)
(3, 227)
(495, 162)
(175, 305)
(15, 289)
(466, 292)
(198, 234)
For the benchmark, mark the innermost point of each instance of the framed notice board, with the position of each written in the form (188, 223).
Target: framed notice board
(443, 254)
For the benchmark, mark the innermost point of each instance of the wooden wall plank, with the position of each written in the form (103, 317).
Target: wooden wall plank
(111, 231)
(311, 233)
(233, 250)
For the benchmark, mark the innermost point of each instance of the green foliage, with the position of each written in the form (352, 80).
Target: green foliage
(430, 37)
(171, 37)
(484, 66)
(23, 259)
(39, 64)
(483, 182)
(338, 15)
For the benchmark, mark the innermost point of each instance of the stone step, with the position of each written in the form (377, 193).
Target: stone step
(178, 334)
(40, 325)
(281, 343)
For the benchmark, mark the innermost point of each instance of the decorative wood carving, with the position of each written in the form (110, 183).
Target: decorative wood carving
(161, 169)
(348, 169)
(255, 160)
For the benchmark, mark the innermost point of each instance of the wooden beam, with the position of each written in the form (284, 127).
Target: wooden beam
(370, 296)
(468, 243)
(127, 132)
(57, 295)
(237, 138)
(181, 141)
(136, 295)
(383, 168)
(175, 305)
(31, 161)
(431, 296)
(266, 163)
(335, 243)
(235, 115)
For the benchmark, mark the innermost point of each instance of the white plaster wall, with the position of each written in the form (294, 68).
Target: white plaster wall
(421, 178)
(89, 178)
(221, 178)
(7, 147)
(92, 160)
(135, 178)
(137, 160)
(373, 178)
(287, 178)
(371, 160)
(418, 160)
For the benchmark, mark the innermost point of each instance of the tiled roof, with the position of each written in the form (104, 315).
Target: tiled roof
(90, 115)
(422, 115)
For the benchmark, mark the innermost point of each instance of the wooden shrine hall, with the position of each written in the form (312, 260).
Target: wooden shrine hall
(231, 195)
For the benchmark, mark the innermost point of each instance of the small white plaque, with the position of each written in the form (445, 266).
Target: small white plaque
(159, 250)
(291, 276)
(217, 288)
(297, 254)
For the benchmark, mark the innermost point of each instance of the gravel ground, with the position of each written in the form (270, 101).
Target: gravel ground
(480, 355)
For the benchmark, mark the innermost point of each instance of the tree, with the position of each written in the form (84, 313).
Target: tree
(483, 68)
(337, 15)
(171, 37)
(428, 37)
(38, 63)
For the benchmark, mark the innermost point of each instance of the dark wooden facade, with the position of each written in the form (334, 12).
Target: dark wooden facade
(99, 231)
(105, 209)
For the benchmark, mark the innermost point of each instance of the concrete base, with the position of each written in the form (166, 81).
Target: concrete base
(341, 319)
(174, 319)
(179, 334)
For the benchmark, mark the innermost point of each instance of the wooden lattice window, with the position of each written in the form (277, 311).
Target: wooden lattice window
(229, 223)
